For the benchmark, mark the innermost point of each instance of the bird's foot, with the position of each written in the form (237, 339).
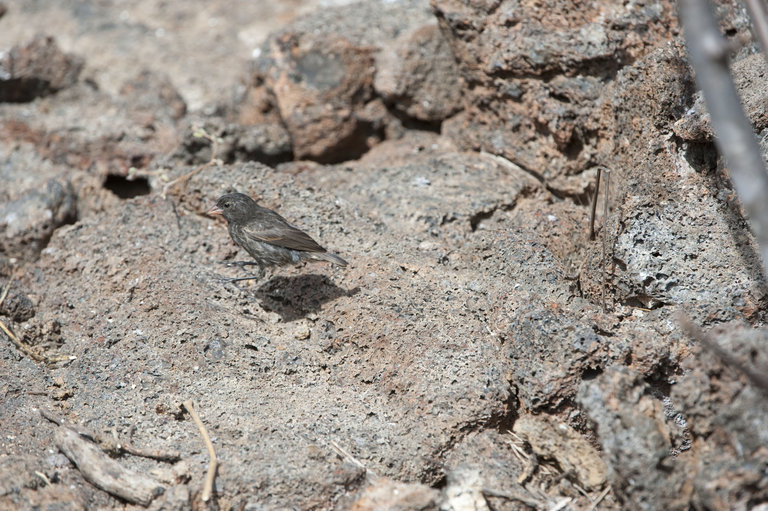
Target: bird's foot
(232, 280)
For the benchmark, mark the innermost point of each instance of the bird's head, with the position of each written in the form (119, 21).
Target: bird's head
(234, 207)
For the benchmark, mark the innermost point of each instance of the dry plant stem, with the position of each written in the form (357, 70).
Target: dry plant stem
(599, 498)
(757, 378)
(528, 501)
(351, 459)
(529, 469)
(213, 464)
(20, 345)
(185, 177)
(604, 240)
(6, 289)
(114, 446)
(30, 352)
(160, 455)
(104, 472)
(759, 16)
(734, 136)
(43, 477)
(594, 205)
(561, 504)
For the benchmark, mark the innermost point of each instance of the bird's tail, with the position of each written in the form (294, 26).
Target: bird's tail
(327, 256)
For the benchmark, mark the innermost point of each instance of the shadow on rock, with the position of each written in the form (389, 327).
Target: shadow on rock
(295, 297)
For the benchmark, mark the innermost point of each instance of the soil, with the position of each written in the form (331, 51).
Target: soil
(480, 351)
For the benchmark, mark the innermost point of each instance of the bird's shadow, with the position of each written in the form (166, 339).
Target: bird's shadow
(296, 296)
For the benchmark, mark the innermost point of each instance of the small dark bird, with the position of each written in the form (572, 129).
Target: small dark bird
(267, 236)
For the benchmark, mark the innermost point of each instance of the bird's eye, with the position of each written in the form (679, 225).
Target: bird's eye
(226, 205)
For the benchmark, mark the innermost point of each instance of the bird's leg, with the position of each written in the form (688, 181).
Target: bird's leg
(230, 280)
(241, 264)
(239, 279)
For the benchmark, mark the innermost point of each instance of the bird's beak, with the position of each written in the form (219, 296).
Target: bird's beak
(214, 211)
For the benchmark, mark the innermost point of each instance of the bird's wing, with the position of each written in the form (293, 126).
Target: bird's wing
(279, 232)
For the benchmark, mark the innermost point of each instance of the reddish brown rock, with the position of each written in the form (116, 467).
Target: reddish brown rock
(536, 75)
(319, 83)
(319, 71)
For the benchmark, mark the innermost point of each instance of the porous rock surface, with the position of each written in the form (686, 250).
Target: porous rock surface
(479, 351)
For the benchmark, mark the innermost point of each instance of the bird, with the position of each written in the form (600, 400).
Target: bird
(266, 236)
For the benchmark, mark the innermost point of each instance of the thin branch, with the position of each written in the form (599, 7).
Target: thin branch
(759, 16)
(214, 462)
(113, 446)
(351, 459)
(600, 498)
(510, 495)
(214, 152)
(104, 472)
(155, 454)
(758, 378)
(6, 289)
(27, 350)
(20, 345)
(594, 205)
(604, 242)
(735, 138)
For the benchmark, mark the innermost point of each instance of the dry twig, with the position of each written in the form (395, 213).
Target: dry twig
(599, 498)
(351, 459)
(214, 153)
(520, 497)
(155, 454)
(104, 472)
(593, 209)
(27, 350)
(6, 289)
(757, 378)
(759, 16)
(20, 345)
(113, 445)
(213, 464)
(735, 138)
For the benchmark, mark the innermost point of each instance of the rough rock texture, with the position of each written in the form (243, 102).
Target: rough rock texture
(561, 443)
(203, 46)
(748, 73)
(37, 69)
(369, 374)
(318, 75)
(320, 84)
(395, 496)
(479, 351)
(536, 72)
(68, 156)
(635, 441)
(265, 142)
(653, 260)
(17, 305)
(27, 223)
(417, 75)
(721, 403)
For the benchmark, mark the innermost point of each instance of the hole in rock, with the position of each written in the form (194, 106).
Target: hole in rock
(127, 188)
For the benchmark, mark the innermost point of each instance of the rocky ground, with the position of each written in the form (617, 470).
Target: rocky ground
(479, 352)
